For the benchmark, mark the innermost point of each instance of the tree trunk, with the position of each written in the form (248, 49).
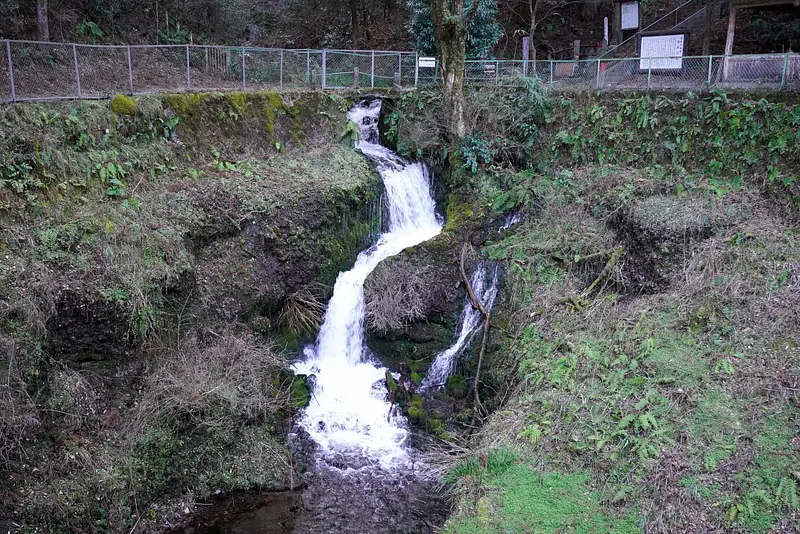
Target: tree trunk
(354, 22)
(707, 34)
(450, 33)
(533, 6)
(42, 24)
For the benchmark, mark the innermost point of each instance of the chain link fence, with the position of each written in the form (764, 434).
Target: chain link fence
(50, 71)
(745, 72)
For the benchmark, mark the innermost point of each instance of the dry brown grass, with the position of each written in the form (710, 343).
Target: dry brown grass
(304, 309)
(71, 398)
(395, 295)
(231, 378)
(18, 415)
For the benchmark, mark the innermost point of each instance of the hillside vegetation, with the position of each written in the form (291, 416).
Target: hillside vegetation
(160, 258)
(643, 365)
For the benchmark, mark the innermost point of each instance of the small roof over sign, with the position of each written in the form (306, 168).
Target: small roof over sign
(763, 3)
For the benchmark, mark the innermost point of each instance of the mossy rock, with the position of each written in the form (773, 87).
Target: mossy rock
(457, 386)
(300, 391)
(458, 213)
(416, 412)
(124, 106)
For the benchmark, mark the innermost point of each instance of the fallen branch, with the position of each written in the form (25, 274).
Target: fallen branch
(478, 305)
(581, 302)
(612, 261)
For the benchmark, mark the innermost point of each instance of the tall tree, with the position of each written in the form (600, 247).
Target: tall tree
(354, 26)
(483, 32)
(42, 23)
(541, 10)
(451, 21)
(707, 30)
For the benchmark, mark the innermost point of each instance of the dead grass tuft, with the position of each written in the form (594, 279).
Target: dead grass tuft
(303, 310)
(230, 379)
(72, 398)
(395, 294)
(19, 418)
(696, 215)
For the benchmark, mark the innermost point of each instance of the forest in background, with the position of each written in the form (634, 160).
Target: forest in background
(355, 24)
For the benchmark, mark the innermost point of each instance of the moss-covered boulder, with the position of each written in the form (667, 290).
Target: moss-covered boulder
(124, 106)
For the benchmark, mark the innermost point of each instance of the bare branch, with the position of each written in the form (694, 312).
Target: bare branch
(480, 307)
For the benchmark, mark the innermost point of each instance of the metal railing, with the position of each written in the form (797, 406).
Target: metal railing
(34, 71)
(746, 72)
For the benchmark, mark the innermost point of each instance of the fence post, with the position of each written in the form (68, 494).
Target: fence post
(77, 72)
(598, 73)
(372, 75)
(649, 71)
(710, 62)
(497, 73)
(11, 72)
(783, 73)
(188, 72)
(281, 74)
(551, 70)
(324, 68)
(130, 70)
(400, 68)
(416, 69)
(244, 66)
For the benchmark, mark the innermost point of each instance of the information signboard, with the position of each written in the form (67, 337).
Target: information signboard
(666, 51)
(630, 15)
(427, 62)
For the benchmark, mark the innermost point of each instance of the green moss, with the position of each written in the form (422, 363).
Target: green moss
(457, 386)
(416, 411)
(300, 391)
(457, 213)
(124, 106)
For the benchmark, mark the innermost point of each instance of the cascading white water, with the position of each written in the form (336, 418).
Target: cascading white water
(349, 411)
(510, 220)
(471, 318)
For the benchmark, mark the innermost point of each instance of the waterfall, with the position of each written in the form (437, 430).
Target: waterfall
(349, 412)
(471, 318)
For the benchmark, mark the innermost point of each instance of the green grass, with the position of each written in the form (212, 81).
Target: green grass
(526, 501)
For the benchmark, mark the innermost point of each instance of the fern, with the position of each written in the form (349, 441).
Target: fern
(786, 492)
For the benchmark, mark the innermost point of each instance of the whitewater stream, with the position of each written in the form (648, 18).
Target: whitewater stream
(485, 289)
(365, 474)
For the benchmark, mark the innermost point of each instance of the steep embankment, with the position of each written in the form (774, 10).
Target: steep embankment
(643, 365)
(157, 256)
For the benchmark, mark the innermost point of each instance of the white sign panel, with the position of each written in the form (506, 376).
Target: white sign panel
(427, 62)
(630, 15)
(666, 51)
